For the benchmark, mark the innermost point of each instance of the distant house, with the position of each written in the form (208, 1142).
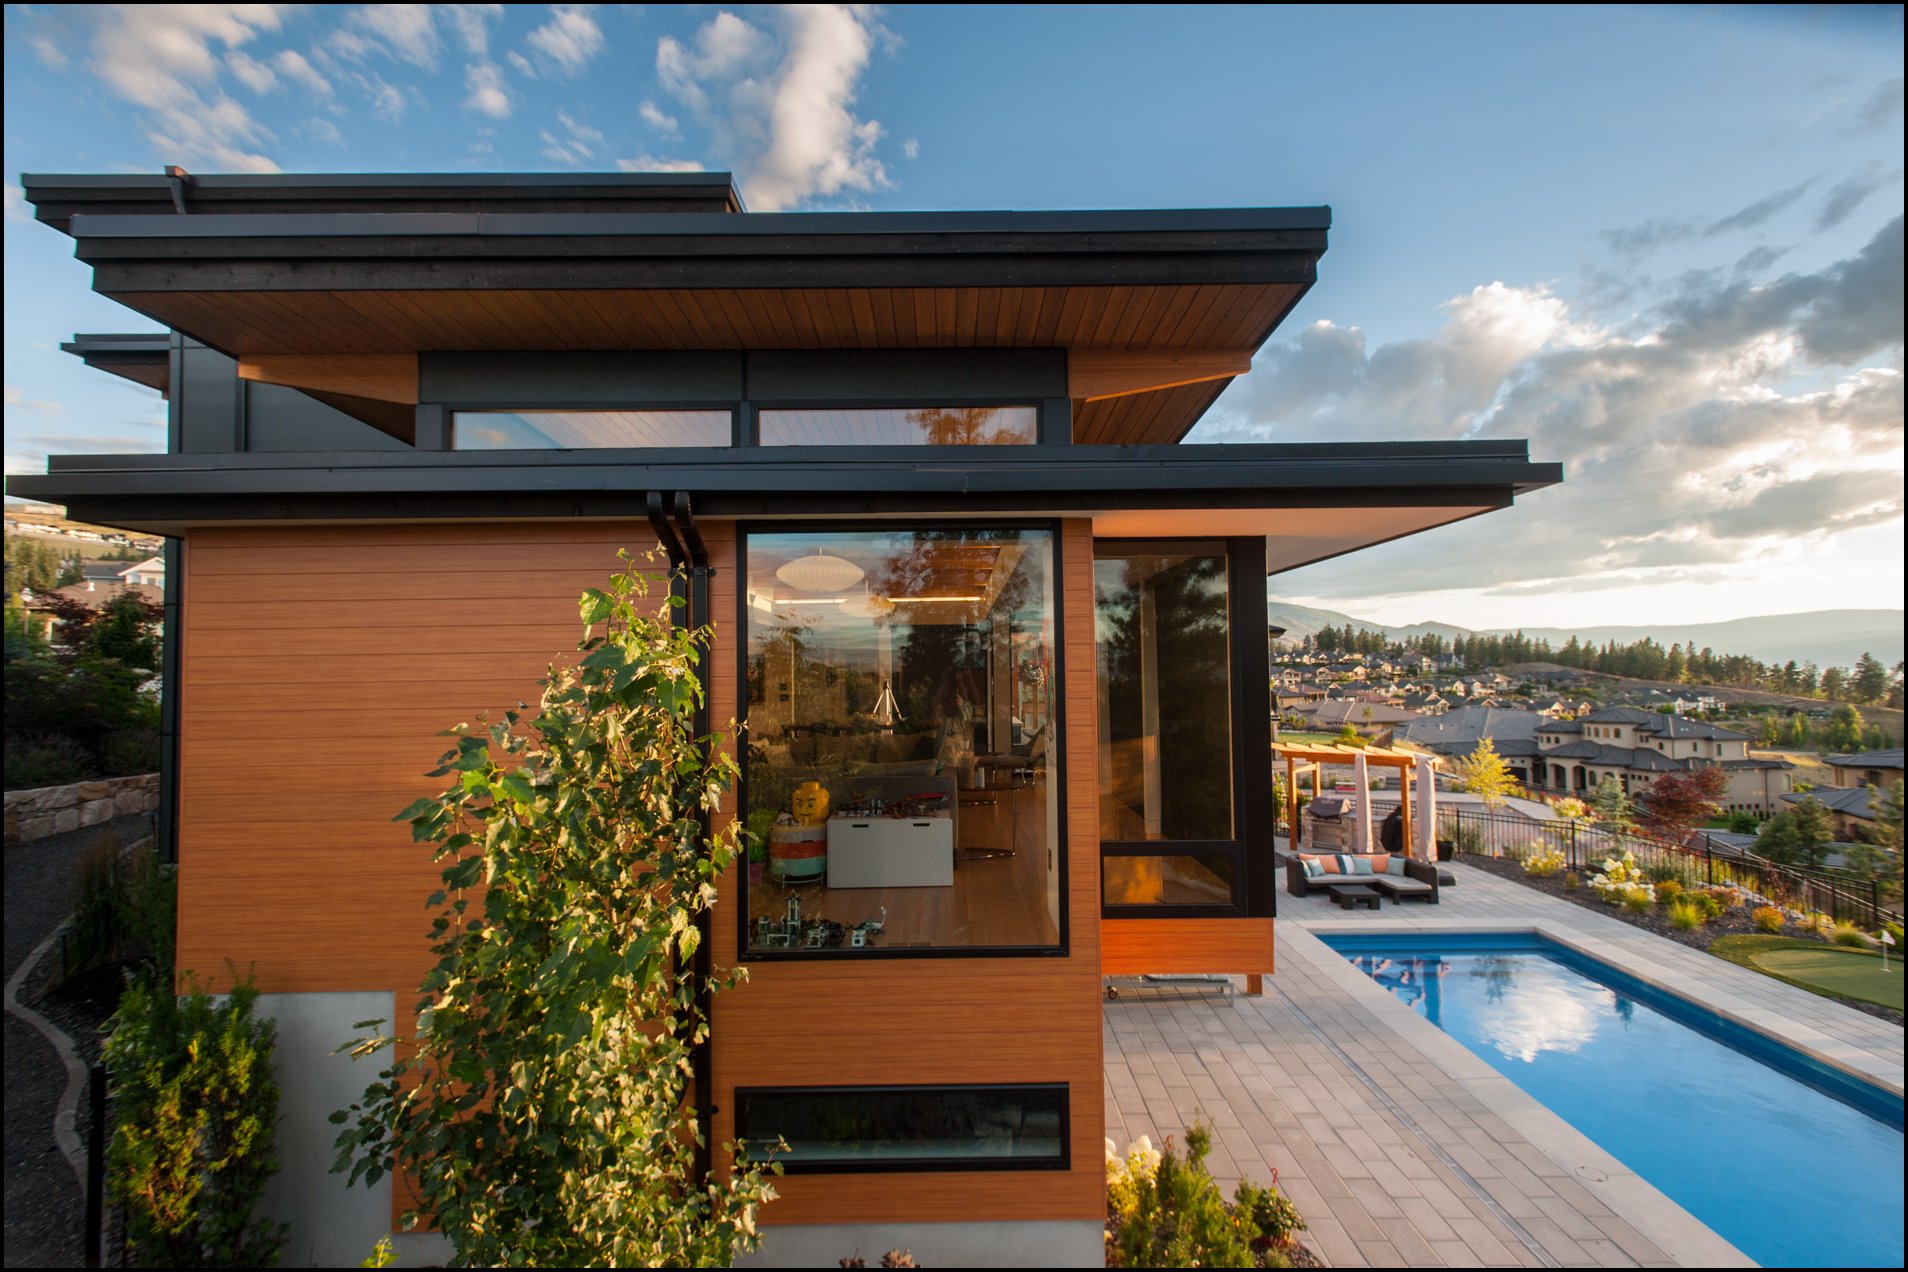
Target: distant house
(1636, 747)
(1456, 734)
(1364, 716)
(150, 572)
(1856, 778)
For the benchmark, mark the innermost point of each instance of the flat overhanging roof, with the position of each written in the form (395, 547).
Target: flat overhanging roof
(271, 266)
(1311, 501)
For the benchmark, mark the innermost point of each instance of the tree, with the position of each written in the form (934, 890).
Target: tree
(1483, 773)
(540, 1114)
(1800, 836)
(1677, 803)
(1834, 684)
(1870, 681)
(1844, 729)
(1609, 804)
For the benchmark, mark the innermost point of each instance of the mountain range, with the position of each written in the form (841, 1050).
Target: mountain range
(1828, 638)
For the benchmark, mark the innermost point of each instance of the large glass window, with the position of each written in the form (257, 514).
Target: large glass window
(900, 426)
(587, 430)
(1163, 641)
(1019, 1127)
(901, 741)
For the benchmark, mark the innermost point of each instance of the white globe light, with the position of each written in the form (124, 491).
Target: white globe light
(820, 573)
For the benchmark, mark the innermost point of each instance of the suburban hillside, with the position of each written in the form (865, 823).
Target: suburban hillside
(1828, 638)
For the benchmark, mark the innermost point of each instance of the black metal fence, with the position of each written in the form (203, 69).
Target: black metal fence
(1585, 846)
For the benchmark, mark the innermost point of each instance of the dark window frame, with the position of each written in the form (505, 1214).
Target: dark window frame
(1056, 744)
(920, 1165)
(1249, 662)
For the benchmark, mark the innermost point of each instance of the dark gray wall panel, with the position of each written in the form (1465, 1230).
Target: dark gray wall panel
(593, 379)
(918, 376)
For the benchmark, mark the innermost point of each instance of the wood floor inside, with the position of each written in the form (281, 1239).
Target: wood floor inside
(995, 900)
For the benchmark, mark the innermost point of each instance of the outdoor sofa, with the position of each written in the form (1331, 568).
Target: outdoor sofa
(1396, 877)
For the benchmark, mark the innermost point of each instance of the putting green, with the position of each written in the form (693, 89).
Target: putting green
(1838, 971)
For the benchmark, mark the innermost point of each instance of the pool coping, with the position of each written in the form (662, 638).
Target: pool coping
(1652, 1212)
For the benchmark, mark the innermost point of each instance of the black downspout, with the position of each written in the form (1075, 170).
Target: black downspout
(702, 966)
(694, 587)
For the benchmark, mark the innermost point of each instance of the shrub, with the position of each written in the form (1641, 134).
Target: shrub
(1711, 905)
(1685, 916)
(1544, 863)
(194, 1110)
(1167, 1212)
(1572, 880)
(1637, 901)
(1850, 935)
(124, 910)
(1767, 918)
(46, 759)
(1668, 891)
(1621, 879)
(540, 1110)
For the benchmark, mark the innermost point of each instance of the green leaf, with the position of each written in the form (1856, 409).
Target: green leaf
(595, 606)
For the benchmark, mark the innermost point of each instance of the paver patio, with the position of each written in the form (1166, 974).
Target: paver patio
(1399, 1146)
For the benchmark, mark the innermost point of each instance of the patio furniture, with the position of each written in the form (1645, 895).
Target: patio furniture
(1406, 877)
(1421, 881)
(1350, 896)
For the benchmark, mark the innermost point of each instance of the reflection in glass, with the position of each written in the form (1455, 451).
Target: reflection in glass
(909, 1127)
(1174, 879)
(900, 426)
(1165, 696)
(898, 768)
(587, 430)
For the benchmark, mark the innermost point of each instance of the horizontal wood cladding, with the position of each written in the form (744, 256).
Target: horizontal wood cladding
(1139, 947)
(318, 665)
(955, 1021)
(1163, 316)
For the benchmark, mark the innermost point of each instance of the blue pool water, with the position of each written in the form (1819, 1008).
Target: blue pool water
(1795, 1163)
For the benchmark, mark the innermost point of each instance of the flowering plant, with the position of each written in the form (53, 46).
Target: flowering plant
(1570, 808)
(1621, 879)
(1544, 863)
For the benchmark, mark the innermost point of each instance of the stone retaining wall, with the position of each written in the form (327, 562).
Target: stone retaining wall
(52, 810)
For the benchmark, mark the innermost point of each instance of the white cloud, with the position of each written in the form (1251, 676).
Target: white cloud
(323, 131)
(295, 67)
(1741, 421)
(472, 24)
(254, 75)
(570, 38)
(403, 31)
(779, 100)
(650, 163)
(485, 83)
(16, 208)
(160, 59)
(16, 397)
(911, 148)
(576, 146)
(654, 116)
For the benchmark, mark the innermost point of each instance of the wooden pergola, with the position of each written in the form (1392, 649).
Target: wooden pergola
(1312, 757)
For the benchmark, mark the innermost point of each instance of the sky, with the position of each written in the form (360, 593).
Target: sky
(1663, 244)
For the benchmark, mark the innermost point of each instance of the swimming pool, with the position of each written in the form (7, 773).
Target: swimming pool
(1794, 1162)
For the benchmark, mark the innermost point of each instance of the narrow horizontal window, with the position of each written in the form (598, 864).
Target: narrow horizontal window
(1169, 879)
(912, 1128)
(587, 430)
(900, 426)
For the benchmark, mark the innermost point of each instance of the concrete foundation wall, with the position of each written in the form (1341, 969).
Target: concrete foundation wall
(332, 1225)
(1059, 1243)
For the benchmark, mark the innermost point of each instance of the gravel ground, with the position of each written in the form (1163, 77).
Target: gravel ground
(43, 1200)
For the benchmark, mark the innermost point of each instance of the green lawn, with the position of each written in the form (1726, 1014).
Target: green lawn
(1836, 972)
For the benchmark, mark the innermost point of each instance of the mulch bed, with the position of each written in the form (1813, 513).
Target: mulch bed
(1734, 922)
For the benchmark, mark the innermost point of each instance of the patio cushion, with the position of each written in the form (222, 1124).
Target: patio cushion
(1312, 869)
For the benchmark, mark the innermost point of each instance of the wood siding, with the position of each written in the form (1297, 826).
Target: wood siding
(1137, 947)
(319, 664)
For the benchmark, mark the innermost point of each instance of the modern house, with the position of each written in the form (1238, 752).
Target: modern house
(930, 471)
